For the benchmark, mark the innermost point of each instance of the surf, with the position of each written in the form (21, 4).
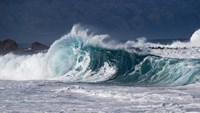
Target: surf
(81, 56)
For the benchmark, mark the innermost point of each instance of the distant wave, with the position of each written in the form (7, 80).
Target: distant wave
(81, 56)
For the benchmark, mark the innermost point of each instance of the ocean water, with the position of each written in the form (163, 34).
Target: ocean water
(85, 72)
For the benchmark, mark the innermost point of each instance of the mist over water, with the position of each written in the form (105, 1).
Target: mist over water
(81, 56)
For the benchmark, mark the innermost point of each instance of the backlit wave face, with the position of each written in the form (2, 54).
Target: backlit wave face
(81, 56)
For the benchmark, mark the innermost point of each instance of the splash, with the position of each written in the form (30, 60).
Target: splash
(195, 39)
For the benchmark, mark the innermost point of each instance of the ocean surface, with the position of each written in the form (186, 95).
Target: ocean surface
(86, 72)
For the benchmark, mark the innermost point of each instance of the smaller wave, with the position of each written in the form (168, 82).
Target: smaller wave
(193, 42)
(195, 39)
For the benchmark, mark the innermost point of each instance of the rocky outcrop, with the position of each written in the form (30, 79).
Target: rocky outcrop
(36, 46)
(8, 45)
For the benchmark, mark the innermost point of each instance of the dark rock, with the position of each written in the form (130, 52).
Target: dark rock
(36, 46)
(8, 45)
(160, 47)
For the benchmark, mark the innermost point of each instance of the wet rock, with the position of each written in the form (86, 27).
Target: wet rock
(8, 45)
(36, 46)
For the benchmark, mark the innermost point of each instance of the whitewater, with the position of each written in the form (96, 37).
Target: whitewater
(86, 72)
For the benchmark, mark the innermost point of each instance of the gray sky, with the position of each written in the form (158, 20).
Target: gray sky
(46, 20)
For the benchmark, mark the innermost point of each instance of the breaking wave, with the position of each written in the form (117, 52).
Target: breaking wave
(81, 56)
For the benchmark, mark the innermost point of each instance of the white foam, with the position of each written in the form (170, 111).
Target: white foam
(30, 67)
(184, 50)
(195, 39)
(64, 60)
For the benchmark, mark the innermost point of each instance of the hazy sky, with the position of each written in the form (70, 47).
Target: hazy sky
(47, 20)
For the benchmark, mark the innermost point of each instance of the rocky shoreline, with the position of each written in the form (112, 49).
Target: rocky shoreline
(11, 46)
